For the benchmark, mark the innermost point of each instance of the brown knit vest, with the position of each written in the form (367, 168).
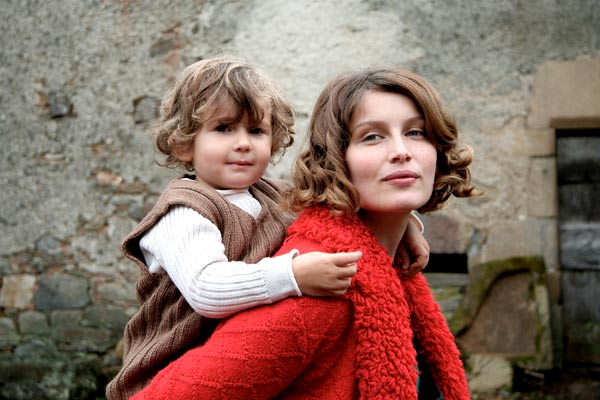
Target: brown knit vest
(165, 326)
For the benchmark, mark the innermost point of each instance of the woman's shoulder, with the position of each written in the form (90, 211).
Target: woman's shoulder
(291, 322)
(297, 241)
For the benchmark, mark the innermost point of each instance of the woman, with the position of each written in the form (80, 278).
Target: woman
(381, 145)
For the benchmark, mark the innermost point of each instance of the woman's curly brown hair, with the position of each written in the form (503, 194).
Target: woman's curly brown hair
(321, 176)
(206, 86)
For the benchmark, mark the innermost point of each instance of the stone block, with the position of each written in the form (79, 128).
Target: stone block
(106, 318)
(145, 109)
(114, 292)
(512, 294)
(580, 246)
(523, 238)
(8, 333)
(540, 142)
(581, 294)
(508, 304)
(558, 102)
(442, 234)
(61, 292)
(488, 373)
(36, 348)
(4, 266)
(577, 158)
(579, 202)
(542, 197)
(73, 333)
(33, 323)
(17, 291)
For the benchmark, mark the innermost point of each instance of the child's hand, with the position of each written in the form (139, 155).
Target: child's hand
(413, 251)
(324, 274)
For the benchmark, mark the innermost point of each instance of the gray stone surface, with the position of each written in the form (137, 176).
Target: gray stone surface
(506, 323)
(9, 336)
(17, 291)
(582, 288)
(580, 246)
(579, 201)
(33, 323)
(577, 158)
(61, 292)
(75, 378)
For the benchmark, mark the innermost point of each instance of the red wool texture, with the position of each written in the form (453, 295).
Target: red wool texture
(356, 347)
(388, 312)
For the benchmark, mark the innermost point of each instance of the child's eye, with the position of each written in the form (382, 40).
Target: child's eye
(222, 128)
(257, 131)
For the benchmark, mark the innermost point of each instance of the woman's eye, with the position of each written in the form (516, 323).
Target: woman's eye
(370, 137)
(415, 132)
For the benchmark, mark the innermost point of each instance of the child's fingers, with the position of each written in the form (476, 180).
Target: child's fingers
(418, 265)
(339, 292)
(403, 256)
(347, 271)
(341, 286)
(343, 259)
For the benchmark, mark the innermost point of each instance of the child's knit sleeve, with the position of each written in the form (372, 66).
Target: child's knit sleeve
(190, 249)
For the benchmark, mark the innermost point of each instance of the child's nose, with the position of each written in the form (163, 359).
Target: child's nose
(242, 140)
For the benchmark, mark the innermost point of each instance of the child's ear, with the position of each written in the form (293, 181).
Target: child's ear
(184, 155)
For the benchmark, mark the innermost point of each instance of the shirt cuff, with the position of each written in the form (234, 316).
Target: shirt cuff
(279, 277)
(415, 218)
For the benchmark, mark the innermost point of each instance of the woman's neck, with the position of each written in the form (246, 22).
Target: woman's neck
(388, 228)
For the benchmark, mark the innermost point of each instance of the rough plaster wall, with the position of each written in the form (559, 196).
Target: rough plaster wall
(73, 185)
(103, 55)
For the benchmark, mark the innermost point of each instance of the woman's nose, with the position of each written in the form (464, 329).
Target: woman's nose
(399, 152)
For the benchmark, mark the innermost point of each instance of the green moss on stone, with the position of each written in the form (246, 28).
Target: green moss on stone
(481, 279)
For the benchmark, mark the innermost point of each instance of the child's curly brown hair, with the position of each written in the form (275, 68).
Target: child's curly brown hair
(204, 87)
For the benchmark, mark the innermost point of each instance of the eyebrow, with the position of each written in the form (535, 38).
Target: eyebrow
(372, 122)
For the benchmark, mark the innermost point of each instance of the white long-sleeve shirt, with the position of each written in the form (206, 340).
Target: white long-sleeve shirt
(189, 247)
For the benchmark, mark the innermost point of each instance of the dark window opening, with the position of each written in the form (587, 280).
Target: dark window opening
(578, 175)
(578, 178)
(447, 263)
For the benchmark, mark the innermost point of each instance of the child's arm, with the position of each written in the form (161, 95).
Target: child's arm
(190, 249)
(414, 249)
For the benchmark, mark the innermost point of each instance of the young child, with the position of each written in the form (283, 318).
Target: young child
(204, 249)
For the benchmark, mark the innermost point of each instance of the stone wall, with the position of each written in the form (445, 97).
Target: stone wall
(81, 80)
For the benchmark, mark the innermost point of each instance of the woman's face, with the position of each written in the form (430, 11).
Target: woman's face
(391, 162)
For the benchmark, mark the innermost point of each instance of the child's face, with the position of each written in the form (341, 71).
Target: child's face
(229, 155)
(391, 162)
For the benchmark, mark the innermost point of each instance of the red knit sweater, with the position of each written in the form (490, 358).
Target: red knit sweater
(360, 346)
